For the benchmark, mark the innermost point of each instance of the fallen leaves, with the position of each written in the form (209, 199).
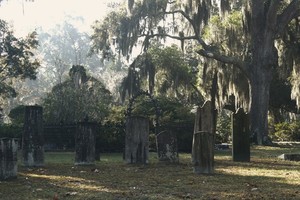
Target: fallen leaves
(71, 193)
(116, 180)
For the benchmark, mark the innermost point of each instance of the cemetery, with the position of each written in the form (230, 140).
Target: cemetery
(242, 170)
(149, 99)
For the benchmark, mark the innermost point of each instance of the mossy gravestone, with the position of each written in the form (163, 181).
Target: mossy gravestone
(203, 140)
(167, 148)
(8, 158)
(85, 143)
(240, 136)
(33, 138)
(137, 140)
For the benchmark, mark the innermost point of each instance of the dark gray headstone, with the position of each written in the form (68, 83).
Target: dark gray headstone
(203, 140)
(85, 143)
(290, 156)
(137, 140)
(8, 158)
(33, 137)
(167, 148)
(240, 136)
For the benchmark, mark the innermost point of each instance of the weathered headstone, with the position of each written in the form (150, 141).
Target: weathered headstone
(167, 148)
(290, 156)
(203, 140)
(240, 136)
(8, 158)
(33, 138)
(137, 140)
(85, 143)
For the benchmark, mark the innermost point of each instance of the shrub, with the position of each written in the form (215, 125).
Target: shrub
(286, 131)
(11, 131)
(223, 131)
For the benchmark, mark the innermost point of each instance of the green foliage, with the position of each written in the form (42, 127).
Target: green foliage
(280, 94)
(174, 115)
(108, 33)
(76, 99)
(172, 110)
(110, 137)
(11, 130)
(14, 129)
(16, 58)
(173, 70)
(17, 115)
(161, 71)
(116, 114)
(112, 131)
(122, 28)
(223, 132)
(287, 131)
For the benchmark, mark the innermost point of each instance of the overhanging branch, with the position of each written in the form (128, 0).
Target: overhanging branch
(224, 59)
(206, 51)
(290, 12)
(191, 21)
(169, 36)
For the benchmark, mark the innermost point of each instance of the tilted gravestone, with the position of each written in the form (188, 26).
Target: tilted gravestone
(85, 143)
(167, 148)
(240, 136)
(33, 138)
(203, 140)
(137, 140)
(8, 158)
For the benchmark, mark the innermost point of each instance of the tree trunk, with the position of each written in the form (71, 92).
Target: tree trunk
(264, 61)
(260, 81)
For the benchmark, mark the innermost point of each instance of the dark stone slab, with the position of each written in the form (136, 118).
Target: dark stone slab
(8, 158)
(85, 143)
(240, 136)
(33, 137)
(137, 140)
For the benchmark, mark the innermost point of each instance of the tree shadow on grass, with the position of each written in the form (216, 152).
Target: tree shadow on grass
(117, 180)
(274, 164)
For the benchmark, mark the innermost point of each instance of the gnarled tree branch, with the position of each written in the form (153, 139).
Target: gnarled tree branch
(290, 12)
(225, 59)
(169, 36)
(191, 21)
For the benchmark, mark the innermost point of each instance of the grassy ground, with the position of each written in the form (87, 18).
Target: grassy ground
(265, 177)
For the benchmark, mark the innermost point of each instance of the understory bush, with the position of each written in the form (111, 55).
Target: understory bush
(223, 132)
(11, 130)
(287, 131)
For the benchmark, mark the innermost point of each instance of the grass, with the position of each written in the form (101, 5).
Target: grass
(265, 177)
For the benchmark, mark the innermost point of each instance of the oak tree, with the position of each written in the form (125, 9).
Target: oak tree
(263, 24)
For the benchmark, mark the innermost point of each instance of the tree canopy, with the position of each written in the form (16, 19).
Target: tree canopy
(243, 50)
(79, 97)
(161, 71)
(17, 59)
